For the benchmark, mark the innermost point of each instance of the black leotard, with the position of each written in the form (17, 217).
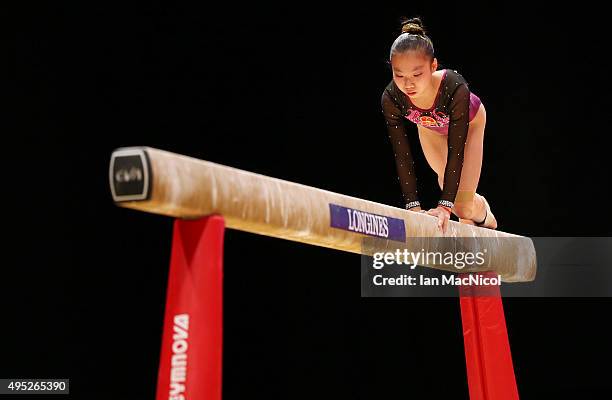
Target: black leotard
(452, 110)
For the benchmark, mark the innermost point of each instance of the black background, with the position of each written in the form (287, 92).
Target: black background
(292, 92)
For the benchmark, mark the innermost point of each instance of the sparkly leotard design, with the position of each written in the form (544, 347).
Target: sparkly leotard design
(453, 109)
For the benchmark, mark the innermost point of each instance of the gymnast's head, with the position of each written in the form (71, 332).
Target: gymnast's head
(412, 58)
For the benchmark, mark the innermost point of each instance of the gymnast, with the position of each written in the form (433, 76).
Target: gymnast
(450, 122)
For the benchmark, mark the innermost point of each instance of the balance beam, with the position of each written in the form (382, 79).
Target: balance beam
(161, 182)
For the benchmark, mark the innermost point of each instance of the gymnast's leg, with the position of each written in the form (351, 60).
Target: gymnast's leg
(469, 206)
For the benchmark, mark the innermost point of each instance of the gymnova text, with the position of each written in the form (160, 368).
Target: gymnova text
(178, 370)
(444, 280)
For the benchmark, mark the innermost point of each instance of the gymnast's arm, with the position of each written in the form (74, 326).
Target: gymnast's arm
(401, 147)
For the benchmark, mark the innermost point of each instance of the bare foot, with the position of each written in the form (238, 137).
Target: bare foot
(489, 221)
(479, 218)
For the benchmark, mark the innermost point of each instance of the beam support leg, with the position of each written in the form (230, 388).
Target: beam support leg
(191, 353)
(487, 350)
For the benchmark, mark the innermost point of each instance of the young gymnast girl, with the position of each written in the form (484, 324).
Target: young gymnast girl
(450, 122)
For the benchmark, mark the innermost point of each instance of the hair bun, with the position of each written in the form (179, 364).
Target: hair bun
(413, 26)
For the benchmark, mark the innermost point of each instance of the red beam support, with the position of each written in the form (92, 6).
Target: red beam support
(487, 350)
(191, 354)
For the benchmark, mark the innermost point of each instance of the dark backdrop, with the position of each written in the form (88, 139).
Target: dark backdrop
(291, 92)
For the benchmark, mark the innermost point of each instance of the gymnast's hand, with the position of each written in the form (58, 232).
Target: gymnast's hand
(443, 215)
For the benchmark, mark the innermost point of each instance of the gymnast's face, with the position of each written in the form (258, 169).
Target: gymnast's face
(412, 72)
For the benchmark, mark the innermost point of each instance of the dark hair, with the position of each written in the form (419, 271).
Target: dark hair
(412, 37)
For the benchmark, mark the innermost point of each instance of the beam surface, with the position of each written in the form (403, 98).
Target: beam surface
(161, 182)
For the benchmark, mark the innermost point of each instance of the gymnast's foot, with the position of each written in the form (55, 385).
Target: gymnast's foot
(489, 220)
